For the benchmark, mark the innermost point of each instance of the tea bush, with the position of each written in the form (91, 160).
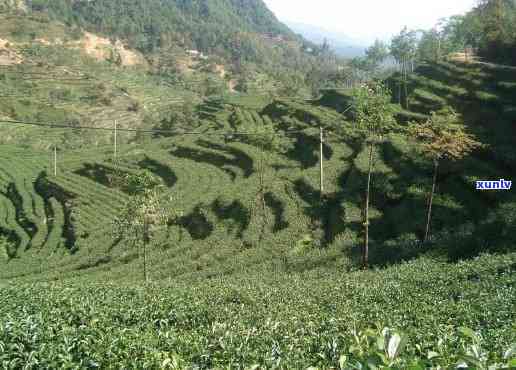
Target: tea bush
(418, 315)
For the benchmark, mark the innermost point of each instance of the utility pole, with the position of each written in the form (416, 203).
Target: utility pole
(115, 134)
(430, 201)
(146, 240)
(55, 160)
(321, 158)
(439, 48)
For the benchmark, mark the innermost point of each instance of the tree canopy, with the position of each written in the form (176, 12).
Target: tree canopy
(490, 28)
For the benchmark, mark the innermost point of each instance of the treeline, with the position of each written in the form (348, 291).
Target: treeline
(152, 23)
(489, 29)
(216, 27)
(244, 34)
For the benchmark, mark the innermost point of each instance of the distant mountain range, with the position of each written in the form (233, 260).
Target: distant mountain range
(343, 45)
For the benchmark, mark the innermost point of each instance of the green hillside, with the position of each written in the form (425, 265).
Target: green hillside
(222, 205)
(241, 34)
(258, 268)
(205, 21)
(221, 257)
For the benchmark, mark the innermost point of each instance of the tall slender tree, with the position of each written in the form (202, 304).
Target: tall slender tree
(375, 118)
(442, 137)
(376, 54)
(268, 140)
(404, 50)
(143, 214)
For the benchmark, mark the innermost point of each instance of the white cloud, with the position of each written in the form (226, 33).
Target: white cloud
(368, 19)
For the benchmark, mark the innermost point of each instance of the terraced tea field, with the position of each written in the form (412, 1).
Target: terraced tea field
(212, 211)
(252, 266)
(214, 181)
(240, 279)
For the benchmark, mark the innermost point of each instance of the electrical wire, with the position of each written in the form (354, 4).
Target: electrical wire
(150, 131)
(155, 131)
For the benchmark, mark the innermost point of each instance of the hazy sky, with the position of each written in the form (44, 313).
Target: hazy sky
(366, 20)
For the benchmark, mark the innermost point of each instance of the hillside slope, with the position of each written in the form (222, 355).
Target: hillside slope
(215, 181)
(208, 47)
(239, 280)
(232, 29)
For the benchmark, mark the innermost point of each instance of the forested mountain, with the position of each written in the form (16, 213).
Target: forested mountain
(228, 28)
(243, 35)
(151, 24)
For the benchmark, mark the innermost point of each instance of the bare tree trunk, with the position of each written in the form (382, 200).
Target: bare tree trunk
(405, 78)
(321, 166)
(261, 195)
(145, 242)
(365, 254)
(430, 201)
(262, 189)
(407, 106)
(399, 91)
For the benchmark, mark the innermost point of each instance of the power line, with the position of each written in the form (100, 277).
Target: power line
(151, 131)
(76, 77)
(39, 76)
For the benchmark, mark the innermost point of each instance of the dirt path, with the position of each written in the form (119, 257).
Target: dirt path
(8, 57)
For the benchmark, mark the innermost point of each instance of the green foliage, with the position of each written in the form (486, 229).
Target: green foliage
(489, 28)
(430, 45)
(176, 119)
(443, 136)
(5, 247)
(143, 213)
(264, 135)
(320, 319)
(285, 303)
(376, 54)
(143, 209)
(384, 350)
(202, 168)
(374, 114)
(230, 29)
(404, 46)
(139, 184)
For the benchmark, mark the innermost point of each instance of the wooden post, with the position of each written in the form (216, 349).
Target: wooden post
(146, 240)
(430, 201)
(55, 160)
(405, 77)
(321, 159)
(115, 150)
(365, 252)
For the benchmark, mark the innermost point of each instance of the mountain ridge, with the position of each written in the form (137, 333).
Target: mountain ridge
(242, 34)
(154, 23)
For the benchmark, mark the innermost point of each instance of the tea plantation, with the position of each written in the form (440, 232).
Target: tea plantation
(244, 282)
(322, 318)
